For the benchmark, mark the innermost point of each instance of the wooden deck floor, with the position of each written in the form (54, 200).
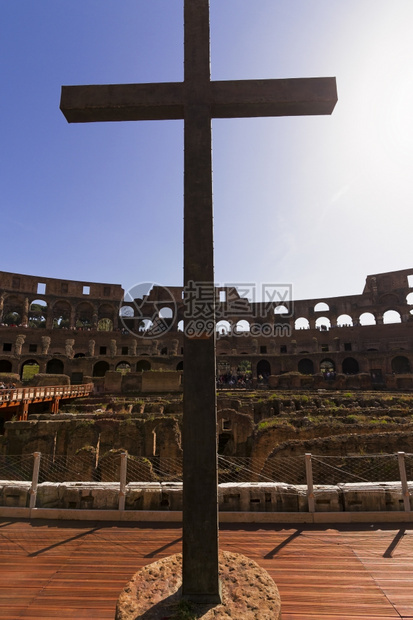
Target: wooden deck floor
(76, 570)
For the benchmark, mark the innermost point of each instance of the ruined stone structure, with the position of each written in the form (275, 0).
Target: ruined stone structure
(85, 329)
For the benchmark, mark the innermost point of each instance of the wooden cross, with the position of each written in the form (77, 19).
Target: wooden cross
(197, 100)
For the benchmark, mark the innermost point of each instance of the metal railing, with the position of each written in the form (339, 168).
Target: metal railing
(20, 394)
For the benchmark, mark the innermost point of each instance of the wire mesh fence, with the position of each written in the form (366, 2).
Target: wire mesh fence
(345, 469)
(16, 467)
(325, 470)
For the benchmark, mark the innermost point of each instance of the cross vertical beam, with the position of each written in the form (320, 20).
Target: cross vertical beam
(200, 484)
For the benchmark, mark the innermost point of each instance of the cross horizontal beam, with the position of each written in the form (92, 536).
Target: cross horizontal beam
(227, 99)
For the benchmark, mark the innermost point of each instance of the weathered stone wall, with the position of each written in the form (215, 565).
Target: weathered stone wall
(245, 497)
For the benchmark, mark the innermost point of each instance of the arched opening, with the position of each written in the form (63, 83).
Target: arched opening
(350, 366)
(344, 320)
(5, 366)
(106, 311)
(28, 369)
(126, 312)
(61, 315)
(100, 368)
(105, 325)
(12, 310)
(76, 355)
(166, 313)
(180, 366)
(263, 370)
(84, 315)
(242, 327)
(409, 299)
(323, 323)
(12, 318)
(164, 351)
(321, 307)
(145, 326)
(281, 309)
(223, 328)
(367, 318)
(180, 326)
(54, 367)
(327, 367)
(38, 313)
(400, 365)
(123, 367)
(223, 440)
(306, 366)
(391, 316)
(143, 365)
(302, 323)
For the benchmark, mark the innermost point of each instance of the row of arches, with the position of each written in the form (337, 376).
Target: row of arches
(306, 366)
(324, 307)
(61, 314)
(323, 323)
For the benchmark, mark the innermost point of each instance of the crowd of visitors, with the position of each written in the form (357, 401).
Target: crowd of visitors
(229, 380)
(7, 386)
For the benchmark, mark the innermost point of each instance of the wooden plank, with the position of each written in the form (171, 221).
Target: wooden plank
(76, 570)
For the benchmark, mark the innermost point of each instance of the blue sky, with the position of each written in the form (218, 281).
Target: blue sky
(319, 202)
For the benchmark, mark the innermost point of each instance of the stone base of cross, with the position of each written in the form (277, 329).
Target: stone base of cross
(197, 100)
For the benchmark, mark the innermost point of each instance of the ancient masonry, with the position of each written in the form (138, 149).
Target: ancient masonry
(88, 330)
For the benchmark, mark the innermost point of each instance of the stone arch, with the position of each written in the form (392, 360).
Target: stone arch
(223, 328)
(242, 327)
(180, 366)
(409, 299)
(344, 320)
(350, 366)
(400, 365)
(126, 311)
(391, 316)
(100, 368)
(55, 367)
(145, 325)
(28, 369)
(327, 365)
(166, 313)
(306, 366)
(123, 367)
(323, 323)
(302, 323)
(367, 318)
(281, 309)
(180, 325)
(61, 312)
(106, 311)
(263, 368)
(143, 365)
(5, 366)
(13, 310)
(84, 315)
(38, 313)
(321, 307)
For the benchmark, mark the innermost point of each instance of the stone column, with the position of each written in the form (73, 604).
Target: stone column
(72, 319)
(25, 317)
